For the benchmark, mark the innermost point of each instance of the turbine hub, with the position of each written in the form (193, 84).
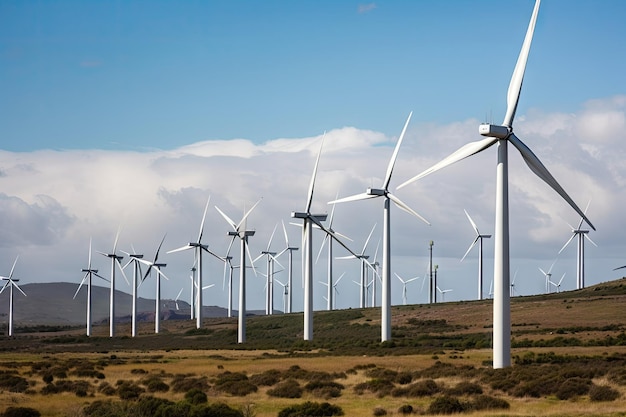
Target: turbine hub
(494, 131)
(375, 191)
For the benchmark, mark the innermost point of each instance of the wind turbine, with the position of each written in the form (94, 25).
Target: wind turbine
(115, 260)
(177, 298)
(269, 284)
(285, 294)
(228, 266)
(512, 293)
(309, 220)
(364, 264)
(479, 239)
(548, 275)
(386, 267)
(240, 231)
(290, 250)
(198, 247)
(557, 285)
(502, 135)
(443, 293)
(404, 284)
(329, 283)
(11, 283)
(134, 258)
(157, 268)
(89, 273)
(580, 234)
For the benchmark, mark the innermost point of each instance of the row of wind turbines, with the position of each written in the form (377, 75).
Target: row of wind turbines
(499, 135)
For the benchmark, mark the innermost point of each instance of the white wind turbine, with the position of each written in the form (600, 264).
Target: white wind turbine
(307, 253)
(512, 292)
(89, 273)
(115, 260)
(404, 284)
(386, 267)
(157, 268)
(479, 239)
(198, 247)
(375, 274)
(557, 285)
(502, 135)
(580, 235)
(269, 284)
(285, 294)
(134, 259)
(11, 283)
(290, 250)
(548, 275)
(240, 231)
(177, 298)
(443, 294)
(329, 282)
(364, 264)
(228, 269)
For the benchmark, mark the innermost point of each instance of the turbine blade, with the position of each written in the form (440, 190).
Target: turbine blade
(406, 208)
(356, 197)
(245, 216)
(542, 172)
(81, 285)
(89, 263)
(156, 256)
(250, 257)
(321, 248)
(119, 265)
(271, 237)
(398, 276)
(472, 222)
(13, 267)
(461, 153)
(182, 248)
(580, 223)
(285, 232)
(117, 236)
(18, 287)
(567, 243)
(470, 248)
(515, 86)
(228, 219)
(203, 219)
(589, 239)
(309, 198)
(332, 234)
(394, 156)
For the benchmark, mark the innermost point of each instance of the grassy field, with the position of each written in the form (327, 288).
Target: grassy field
(569, 349)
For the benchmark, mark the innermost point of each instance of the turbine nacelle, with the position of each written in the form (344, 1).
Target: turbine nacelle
(303, 215)
(494, 131)
(376, 191)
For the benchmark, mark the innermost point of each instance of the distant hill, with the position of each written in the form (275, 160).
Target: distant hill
(53, 304)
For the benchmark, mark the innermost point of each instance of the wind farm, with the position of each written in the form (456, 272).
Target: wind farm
(279, 163)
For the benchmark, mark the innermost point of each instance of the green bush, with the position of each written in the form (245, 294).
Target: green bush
(185, 383)
(573, 387)
(324, 389)
(10, 381)
(405, 409)
(195, 396)
(106, 388)
(603, 393)
(379, 411)
(267, 378)
(380, 387)
(286, 389)
(21, 412)
(235, 383)
(446, 405)
(423, 388)
(485, 402)
(128, 390)
(465, 388)
(311, 409)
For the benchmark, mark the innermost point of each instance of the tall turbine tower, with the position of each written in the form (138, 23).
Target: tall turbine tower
(580, 235)
(502, 135)
(290, 250)
(479, 239)
(11, 283)
(404, 284)
(386, 267)
(240, 231)
(157, 268)
(134, 259)
(363, 264)
(309, 220)
(198, 248)
(89, 273)
(115, 260)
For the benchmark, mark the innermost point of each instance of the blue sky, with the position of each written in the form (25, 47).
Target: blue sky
(161, 74)
(133, 113)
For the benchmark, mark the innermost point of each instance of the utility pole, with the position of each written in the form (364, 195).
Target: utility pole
(436, 267)
(430, 279)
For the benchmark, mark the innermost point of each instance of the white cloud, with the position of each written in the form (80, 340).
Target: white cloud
(54, 201)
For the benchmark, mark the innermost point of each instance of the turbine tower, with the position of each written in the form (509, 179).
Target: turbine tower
(548, 275)
(479, 239)
(364, 264)
(89, 273)
(198, 247)
(269, 284)
(309, 220)
(502, 135)
(134, 259)
(386, 267)
(11, 283)
(290, 250)
(157, 268)
(115, 260)
(240, 231)
(581, 235)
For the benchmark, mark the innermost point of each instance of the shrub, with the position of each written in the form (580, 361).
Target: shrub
(311, 409)
(465, 388)
(485, 402)
(128, 390)
(21, 412)
(405, 409)
(106, 388)
(573, 387)
(603, 393)
(149, 406)
(267, 378)
(404, 378)
(381, 387)
(184, 383)
(195, 396)
(235, 383)
(424, 388)
(324, 389)
(379, 411)
(12, 382)
(286, 389)
(446, 405)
